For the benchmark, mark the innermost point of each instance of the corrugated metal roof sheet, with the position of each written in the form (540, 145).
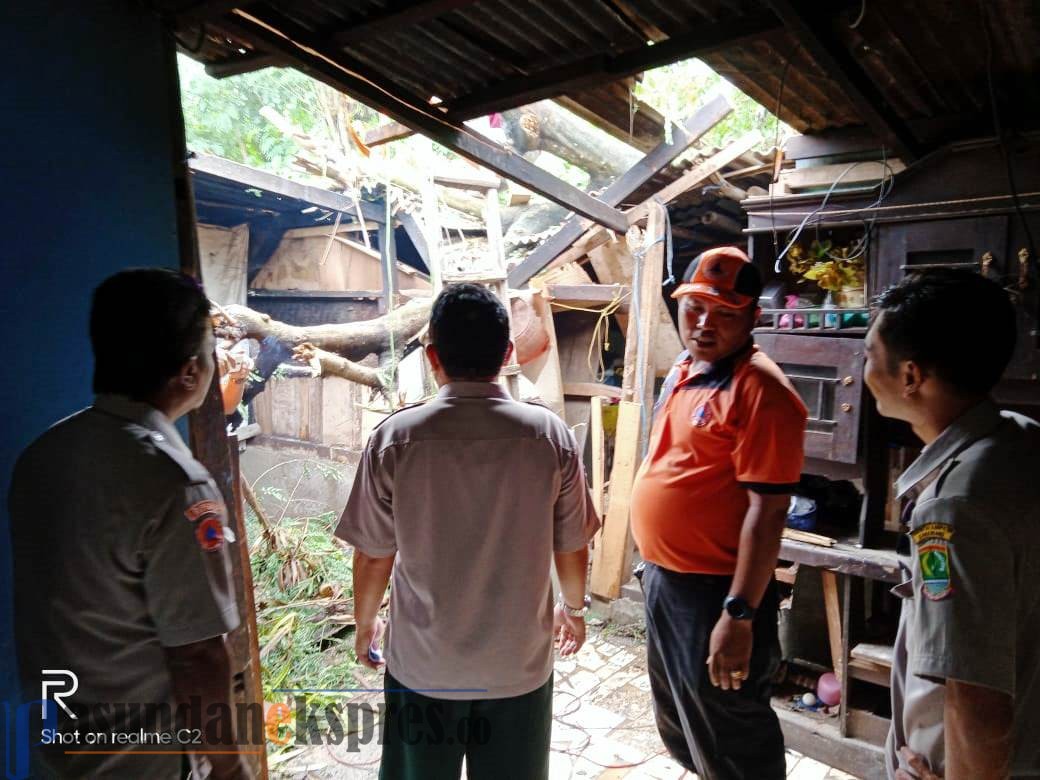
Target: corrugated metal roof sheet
(928, 64)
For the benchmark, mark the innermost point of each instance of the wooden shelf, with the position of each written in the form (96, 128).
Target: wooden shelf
(845, 558)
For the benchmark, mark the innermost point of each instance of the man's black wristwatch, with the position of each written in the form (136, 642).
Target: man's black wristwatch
(738, 608)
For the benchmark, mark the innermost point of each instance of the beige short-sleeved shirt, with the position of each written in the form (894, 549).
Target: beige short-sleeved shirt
(120, 547)
(971, 608)
(473, 492)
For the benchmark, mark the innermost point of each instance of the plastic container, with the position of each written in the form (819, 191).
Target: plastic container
(801, 513)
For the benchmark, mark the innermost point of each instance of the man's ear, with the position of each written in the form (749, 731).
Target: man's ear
(510, 349)
(189, 376)
(912, 377)
(432, 356)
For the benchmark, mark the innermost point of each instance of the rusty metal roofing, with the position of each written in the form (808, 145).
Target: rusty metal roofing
(927, 64)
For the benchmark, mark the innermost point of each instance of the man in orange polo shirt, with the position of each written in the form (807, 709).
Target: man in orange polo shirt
(708, 507)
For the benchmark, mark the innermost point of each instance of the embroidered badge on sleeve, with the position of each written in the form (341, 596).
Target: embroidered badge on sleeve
(933, 556)
(201, 509)
(210, 534)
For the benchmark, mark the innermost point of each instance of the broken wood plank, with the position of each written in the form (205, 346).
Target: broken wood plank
(825, 175)
(588, 295)
(468, 182)
(544, 371)
(591, 390)
(384, 134)
(699, 173)
(613, 554)
(613, 264)
(809, 538)
(640, 173)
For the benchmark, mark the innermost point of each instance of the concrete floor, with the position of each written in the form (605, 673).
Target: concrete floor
(603, 725)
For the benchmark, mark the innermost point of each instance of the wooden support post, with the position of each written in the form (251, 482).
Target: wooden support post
(613, 553)
(648, 288)
(598, 453)
(611, 559)
(388, 259)
(496, 248)
(431, 228)
(833, 609)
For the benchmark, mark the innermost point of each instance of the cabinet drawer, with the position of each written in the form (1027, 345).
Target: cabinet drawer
(828, 375)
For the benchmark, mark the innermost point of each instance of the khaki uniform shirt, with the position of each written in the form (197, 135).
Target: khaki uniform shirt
(120, 547)
(473, 492)
(971, 610)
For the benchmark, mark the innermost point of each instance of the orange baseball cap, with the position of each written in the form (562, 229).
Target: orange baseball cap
(725, 275)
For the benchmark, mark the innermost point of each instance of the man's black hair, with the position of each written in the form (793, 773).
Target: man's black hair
(954, 323)
(145, 323)
(469, 328)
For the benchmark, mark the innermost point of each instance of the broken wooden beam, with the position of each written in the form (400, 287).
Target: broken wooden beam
(588, 295)
(268, 182)
(384, 134)
(640, 173)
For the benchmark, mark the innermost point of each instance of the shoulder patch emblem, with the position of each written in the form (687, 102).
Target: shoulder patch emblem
(933, 556)
(701, 416)
(210, 534)
(201, 509)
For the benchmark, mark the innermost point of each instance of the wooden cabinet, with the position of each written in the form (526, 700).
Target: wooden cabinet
(828, 375)
(956, 243)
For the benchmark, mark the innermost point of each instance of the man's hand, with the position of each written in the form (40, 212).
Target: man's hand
(918, 764)
(568, 632)
(370, 637)
(729, 653)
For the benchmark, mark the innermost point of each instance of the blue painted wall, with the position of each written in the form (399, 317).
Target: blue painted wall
(85, 176)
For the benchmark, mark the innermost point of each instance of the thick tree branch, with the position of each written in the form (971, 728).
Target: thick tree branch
(352, 340)
(333, 365)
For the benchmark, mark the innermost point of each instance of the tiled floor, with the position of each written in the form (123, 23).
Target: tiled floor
(603, 726)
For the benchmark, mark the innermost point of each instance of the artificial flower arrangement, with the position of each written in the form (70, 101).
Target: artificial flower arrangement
(832, 268)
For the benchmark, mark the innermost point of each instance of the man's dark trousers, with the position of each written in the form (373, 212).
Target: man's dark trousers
(720, 735)
(502, 739)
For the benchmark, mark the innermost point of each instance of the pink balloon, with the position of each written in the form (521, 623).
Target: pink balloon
(828, 689)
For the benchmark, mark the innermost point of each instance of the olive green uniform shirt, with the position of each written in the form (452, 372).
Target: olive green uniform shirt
(971, 609)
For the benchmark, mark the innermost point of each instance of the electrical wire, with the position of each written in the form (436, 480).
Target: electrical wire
(776, 139)
(862, 13)
(884, 187)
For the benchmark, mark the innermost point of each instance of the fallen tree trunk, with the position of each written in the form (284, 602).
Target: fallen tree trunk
(548, 127)
(351, 340)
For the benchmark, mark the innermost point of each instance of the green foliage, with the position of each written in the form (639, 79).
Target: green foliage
(678, 90)
(222, 116)
(302, 592)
